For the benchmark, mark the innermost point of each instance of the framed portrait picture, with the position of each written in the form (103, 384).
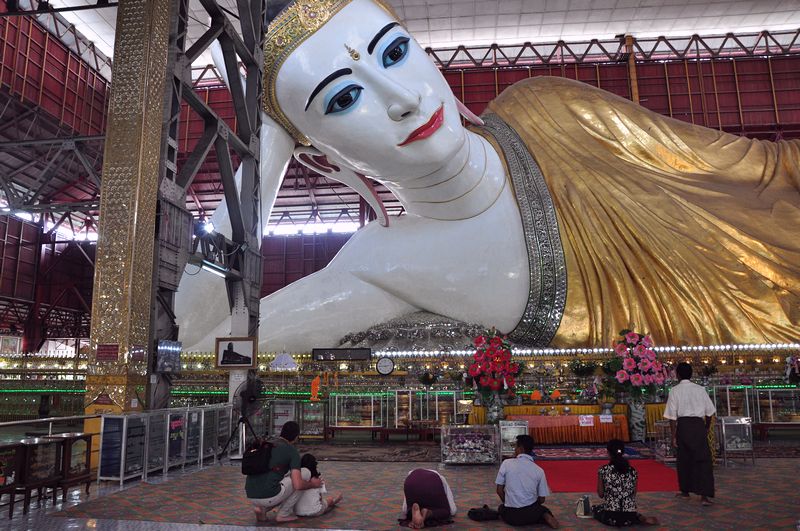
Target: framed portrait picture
(236, 352)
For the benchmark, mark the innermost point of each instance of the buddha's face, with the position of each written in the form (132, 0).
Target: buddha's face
(367, 95)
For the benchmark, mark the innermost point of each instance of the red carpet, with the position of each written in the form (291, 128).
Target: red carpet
(581, 476)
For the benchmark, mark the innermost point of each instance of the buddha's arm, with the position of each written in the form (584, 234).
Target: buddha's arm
(318, 310)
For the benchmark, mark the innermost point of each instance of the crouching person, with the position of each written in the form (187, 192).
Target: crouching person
(276, 487)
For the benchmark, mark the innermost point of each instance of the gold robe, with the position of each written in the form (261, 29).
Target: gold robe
(685, 232)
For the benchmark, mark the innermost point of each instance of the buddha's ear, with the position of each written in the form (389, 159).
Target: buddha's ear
(470, 116)
(314, 159)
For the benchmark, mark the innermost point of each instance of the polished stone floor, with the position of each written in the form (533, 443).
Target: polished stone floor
(760, 496)
(40, 518)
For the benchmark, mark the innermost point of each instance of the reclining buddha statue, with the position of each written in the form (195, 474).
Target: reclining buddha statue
(560, 216)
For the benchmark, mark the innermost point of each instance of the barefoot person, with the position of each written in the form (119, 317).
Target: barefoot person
(427, 500)
(276, 488)
(313, 502)
(616, 484)
(689, 410)
(522, 487)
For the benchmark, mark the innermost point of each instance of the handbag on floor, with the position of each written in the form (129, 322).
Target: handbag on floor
(483, 514)
(583, 509)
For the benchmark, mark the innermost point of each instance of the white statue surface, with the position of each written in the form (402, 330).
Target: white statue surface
(553, 207)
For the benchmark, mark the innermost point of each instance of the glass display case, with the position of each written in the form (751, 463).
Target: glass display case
(779, 405)
(312, 419)
(446, 406)
(280, 412)
(364, 410)
(733, 400)
(478, 444)
(403, 413)
(411, 406)
(463, 409)
(509, 430)
(736, 437)
(664, 450)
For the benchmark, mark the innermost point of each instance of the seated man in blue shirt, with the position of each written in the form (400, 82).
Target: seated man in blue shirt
(522, 487)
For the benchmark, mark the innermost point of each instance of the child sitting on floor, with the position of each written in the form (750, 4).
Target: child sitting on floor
(312, 501)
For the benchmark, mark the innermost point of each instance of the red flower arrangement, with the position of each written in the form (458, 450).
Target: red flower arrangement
(492, 368)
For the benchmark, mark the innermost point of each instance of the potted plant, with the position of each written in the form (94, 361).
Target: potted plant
(427, 379)
(582, 368)
(707, 372)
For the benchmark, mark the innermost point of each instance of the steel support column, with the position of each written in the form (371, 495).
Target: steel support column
(632, 77)
(239, 256)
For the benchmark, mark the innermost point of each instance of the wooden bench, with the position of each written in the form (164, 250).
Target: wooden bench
(375, 431)
(763, 428)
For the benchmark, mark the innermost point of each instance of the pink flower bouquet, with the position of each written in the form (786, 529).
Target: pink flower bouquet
(636, 368)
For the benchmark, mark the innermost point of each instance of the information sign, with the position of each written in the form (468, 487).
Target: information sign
(111, 452)
(107, 352)
(10, 458)
(134, 445)
(176, 433)
(156, 438)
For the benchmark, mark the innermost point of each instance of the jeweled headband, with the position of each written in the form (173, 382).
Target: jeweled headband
(286, 32)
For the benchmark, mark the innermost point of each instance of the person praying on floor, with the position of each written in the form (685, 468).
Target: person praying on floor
(282, 485)
(427, 500)
(616, 485)
(690, 410)
(522, 487)
(312, 502)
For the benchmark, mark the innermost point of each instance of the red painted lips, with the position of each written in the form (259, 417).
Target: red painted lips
(427, 129)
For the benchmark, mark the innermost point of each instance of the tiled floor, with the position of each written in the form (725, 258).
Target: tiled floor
(763, 496)
(42, 519)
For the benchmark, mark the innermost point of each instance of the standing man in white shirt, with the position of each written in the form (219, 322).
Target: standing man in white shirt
(522, 487)
(690, 410)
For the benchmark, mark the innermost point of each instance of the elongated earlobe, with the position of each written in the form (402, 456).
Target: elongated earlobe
(317, 161)
(470, 116)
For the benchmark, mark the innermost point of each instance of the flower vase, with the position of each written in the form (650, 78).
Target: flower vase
(494, 408)
(607, 408)
(637, 419)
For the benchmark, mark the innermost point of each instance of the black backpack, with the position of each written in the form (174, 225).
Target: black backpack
(255, 459)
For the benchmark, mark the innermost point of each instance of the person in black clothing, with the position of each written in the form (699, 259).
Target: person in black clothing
(616, 484)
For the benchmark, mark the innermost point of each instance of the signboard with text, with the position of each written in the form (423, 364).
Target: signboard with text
(341, 354)
(107, 352)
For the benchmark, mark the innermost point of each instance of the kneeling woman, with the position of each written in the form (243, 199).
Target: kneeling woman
(616, 484)
(427, 500)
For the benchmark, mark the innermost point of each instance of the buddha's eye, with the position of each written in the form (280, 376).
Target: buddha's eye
(344, 99)
(395, 52)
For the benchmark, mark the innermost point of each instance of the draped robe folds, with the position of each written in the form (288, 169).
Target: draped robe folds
(682, 231)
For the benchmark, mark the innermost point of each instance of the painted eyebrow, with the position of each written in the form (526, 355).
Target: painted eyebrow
(380, 34)
(339, 73)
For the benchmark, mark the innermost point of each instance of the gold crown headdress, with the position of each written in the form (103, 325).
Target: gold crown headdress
(286, 32)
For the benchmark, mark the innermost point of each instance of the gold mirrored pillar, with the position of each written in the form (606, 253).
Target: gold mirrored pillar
(124, 271)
